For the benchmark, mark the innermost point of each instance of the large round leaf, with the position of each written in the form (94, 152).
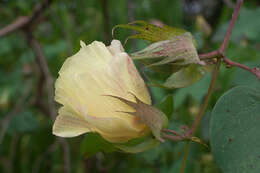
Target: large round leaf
(235, 131)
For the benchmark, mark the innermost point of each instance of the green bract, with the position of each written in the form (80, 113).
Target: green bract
(149, 115)
(150, 32)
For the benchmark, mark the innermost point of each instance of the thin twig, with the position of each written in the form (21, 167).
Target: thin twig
(229, 3)
(224, 45)
(172, 138)
(24, 21)
(171, 131)
(219, 54)
(209, 55)
(17, 24)
(185, 156)
(254, 71)
(206, 100)
(42, 63)
(130, 10)
(222, 50)
(38, 101)
(106, 19)
(131, 17)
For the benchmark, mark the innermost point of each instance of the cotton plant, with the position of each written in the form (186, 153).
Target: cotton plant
(102, 92)
(103, 96)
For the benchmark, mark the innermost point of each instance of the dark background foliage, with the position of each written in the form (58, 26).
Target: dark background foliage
(26, 140)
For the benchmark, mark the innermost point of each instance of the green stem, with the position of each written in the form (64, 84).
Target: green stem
(206, 100)
(185, 156)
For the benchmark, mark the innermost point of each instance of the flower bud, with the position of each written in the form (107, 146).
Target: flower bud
(178, 57)
(179, 50)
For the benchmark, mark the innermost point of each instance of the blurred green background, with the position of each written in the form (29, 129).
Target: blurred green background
(26, 140)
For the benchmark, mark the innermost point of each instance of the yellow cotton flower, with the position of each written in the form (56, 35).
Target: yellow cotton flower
(84, 83)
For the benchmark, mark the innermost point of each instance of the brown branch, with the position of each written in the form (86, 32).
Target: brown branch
(172, 138)
(43, 66)
(185, 156)
(17, 24)
(229, 3)
(175, 136)
(254, 71)
(219, 54)
(106, 16)
(130, 10)
(131, 17)
(25, 21)
(171, 131)
(38, 10)
(42, 63)
(189, 132)
(38, 102)
(222, 50)
(209, 55)
(224, 45)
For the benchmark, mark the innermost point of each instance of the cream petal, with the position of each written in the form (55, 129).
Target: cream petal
(115, 129)
(69, 125)
(95, 71)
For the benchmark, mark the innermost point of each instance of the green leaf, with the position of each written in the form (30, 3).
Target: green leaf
(166, 106)
(94, 143)
(185, 77)
(150, 32)
(235, 131)
(146, 144)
